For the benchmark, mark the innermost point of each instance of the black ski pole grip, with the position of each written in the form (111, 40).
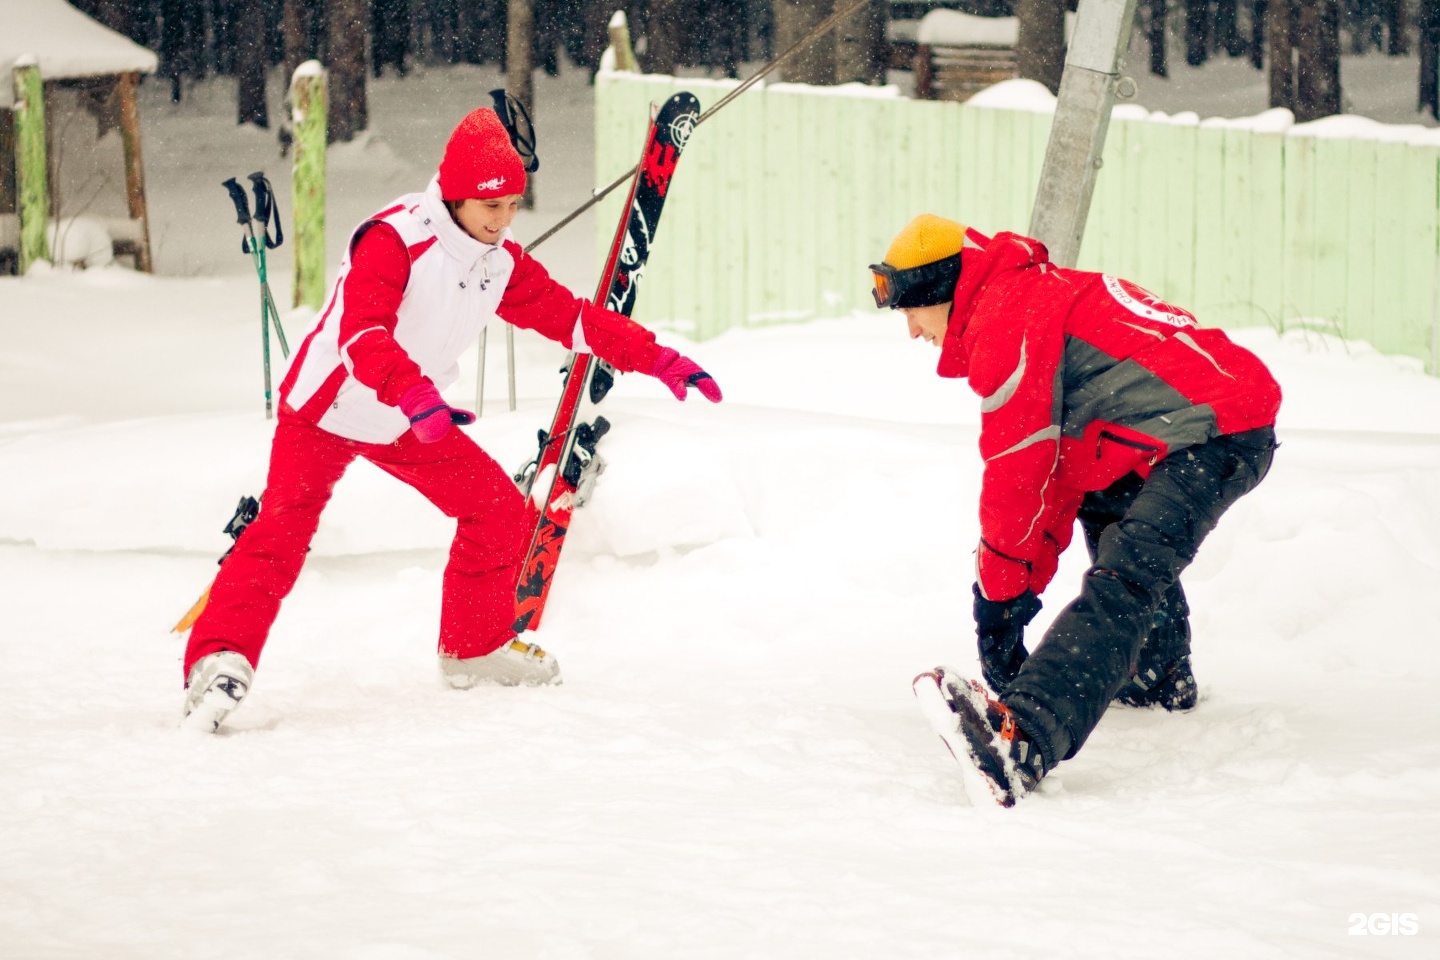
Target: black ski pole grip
(266, 209)
(242, 203)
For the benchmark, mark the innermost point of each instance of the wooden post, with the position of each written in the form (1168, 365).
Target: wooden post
(924, 77)
(308, 94)
(31, 176)
(619, 29)
(519, 66)
(134, 167)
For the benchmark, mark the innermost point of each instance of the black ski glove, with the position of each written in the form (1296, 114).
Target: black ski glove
(1000, 628)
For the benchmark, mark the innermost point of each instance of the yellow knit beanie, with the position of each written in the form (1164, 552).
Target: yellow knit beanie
(924, 240)
(922, 265)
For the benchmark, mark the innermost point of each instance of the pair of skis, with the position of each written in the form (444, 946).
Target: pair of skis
(565, 467)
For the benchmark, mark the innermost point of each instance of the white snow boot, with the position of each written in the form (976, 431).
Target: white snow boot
(515, 664)
(217, 684)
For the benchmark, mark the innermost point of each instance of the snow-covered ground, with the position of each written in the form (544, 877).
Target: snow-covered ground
(734, 766)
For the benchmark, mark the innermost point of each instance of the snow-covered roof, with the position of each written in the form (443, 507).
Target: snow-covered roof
(66, 43)
(952, 27)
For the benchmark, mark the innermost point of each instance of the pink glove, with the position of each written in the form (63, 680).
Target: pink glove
(680, 373)
(430, 416)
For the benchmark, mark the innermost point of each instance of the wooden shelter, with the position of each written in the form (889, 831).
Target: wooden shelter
(86, 66)
(959, 54)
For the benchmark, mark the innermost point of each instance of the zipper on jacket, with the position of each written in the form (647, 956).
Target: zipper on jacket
(1149, 448)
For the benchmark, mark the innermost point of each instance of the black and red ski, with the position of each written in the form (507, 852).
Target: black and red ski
(564, 469)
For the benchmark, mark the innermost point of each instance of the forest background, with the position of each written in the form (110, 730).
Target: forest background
(1298, 43)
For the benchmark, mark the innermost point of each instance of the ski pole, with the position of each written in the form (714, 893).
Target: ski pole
(522, 137)
(480, 369)
(480, 375)
(267, 210)
(821, 28)
(249, 245)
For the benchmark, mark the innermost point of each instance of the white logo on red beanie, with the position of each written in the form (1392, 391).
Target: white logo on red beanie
(487, 185)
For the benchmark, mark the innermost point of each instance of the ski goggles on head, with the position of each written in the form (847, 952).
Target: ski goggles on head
(513, 115)
(920, 286)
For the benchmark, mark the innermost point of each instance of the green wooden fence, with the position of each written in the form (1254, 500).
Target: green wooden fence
(787, 194)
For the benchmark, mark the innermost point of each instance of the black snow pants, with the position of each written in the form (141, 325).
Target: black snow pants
(1169, 638)
(1092, 646)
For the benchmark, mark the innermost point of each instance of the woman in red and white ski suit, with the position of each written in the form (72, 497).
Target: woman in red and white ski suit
(419, 281)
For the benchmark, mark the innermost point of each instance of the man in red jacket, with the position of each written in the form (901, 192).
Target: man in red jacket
(419, 280)
(1100, 402)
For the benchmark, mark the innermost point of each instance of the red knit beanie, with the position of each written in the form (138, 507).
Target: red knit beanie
(479, 160)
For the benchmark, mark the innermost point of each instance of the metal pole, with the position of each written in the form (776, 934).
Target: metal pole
(480, 376)
(510, 361)
(1082, 118)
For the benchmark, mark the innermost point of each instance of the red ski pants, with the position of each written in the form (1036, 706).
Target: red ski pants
(478, 605)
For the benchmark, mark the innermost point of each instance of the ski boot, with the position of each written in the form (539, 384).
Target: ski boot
(216, 685)
(998, 763)
(516, 663)
(1163, 677)
(1171, 687)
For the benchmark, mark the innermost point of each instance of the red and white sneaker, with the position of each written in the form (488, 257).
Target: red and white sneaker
(997, 760)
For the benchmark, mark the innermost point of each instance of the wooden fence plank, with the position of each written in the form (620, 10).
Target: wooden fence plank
(1358, 317)
(1390, 216)
(1267, 204)
(1233, 298)
(1209, 223)
(1177, 229)
(1412, 331)
(1329, 241)
(1299, 242)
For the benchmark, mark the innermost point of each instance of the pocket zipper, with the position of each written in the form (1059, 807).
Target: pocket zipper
(1150, 448)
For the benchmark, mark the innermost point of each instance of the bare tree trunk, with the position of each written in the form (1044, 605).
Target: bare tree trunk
(665, 36)
(1259, 13)
(389, 35)
(181, 43)
(299, 29)
(251, 64)
(1227, 27)
(224, 25)
(861, 52)
(1040, 46)
(1317, 65)
(519, 68)
(1429, 26)
(1197, 32)
(1281, 27)
(726, 26)
(349, 109)
(815, 64)
(118, 15)
(483, 31)
(1155, 30)
(1397, 24)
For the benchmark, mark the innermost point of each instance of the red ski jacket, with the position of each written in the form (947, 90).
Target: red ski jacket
(1083, 378)
(414, 292)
